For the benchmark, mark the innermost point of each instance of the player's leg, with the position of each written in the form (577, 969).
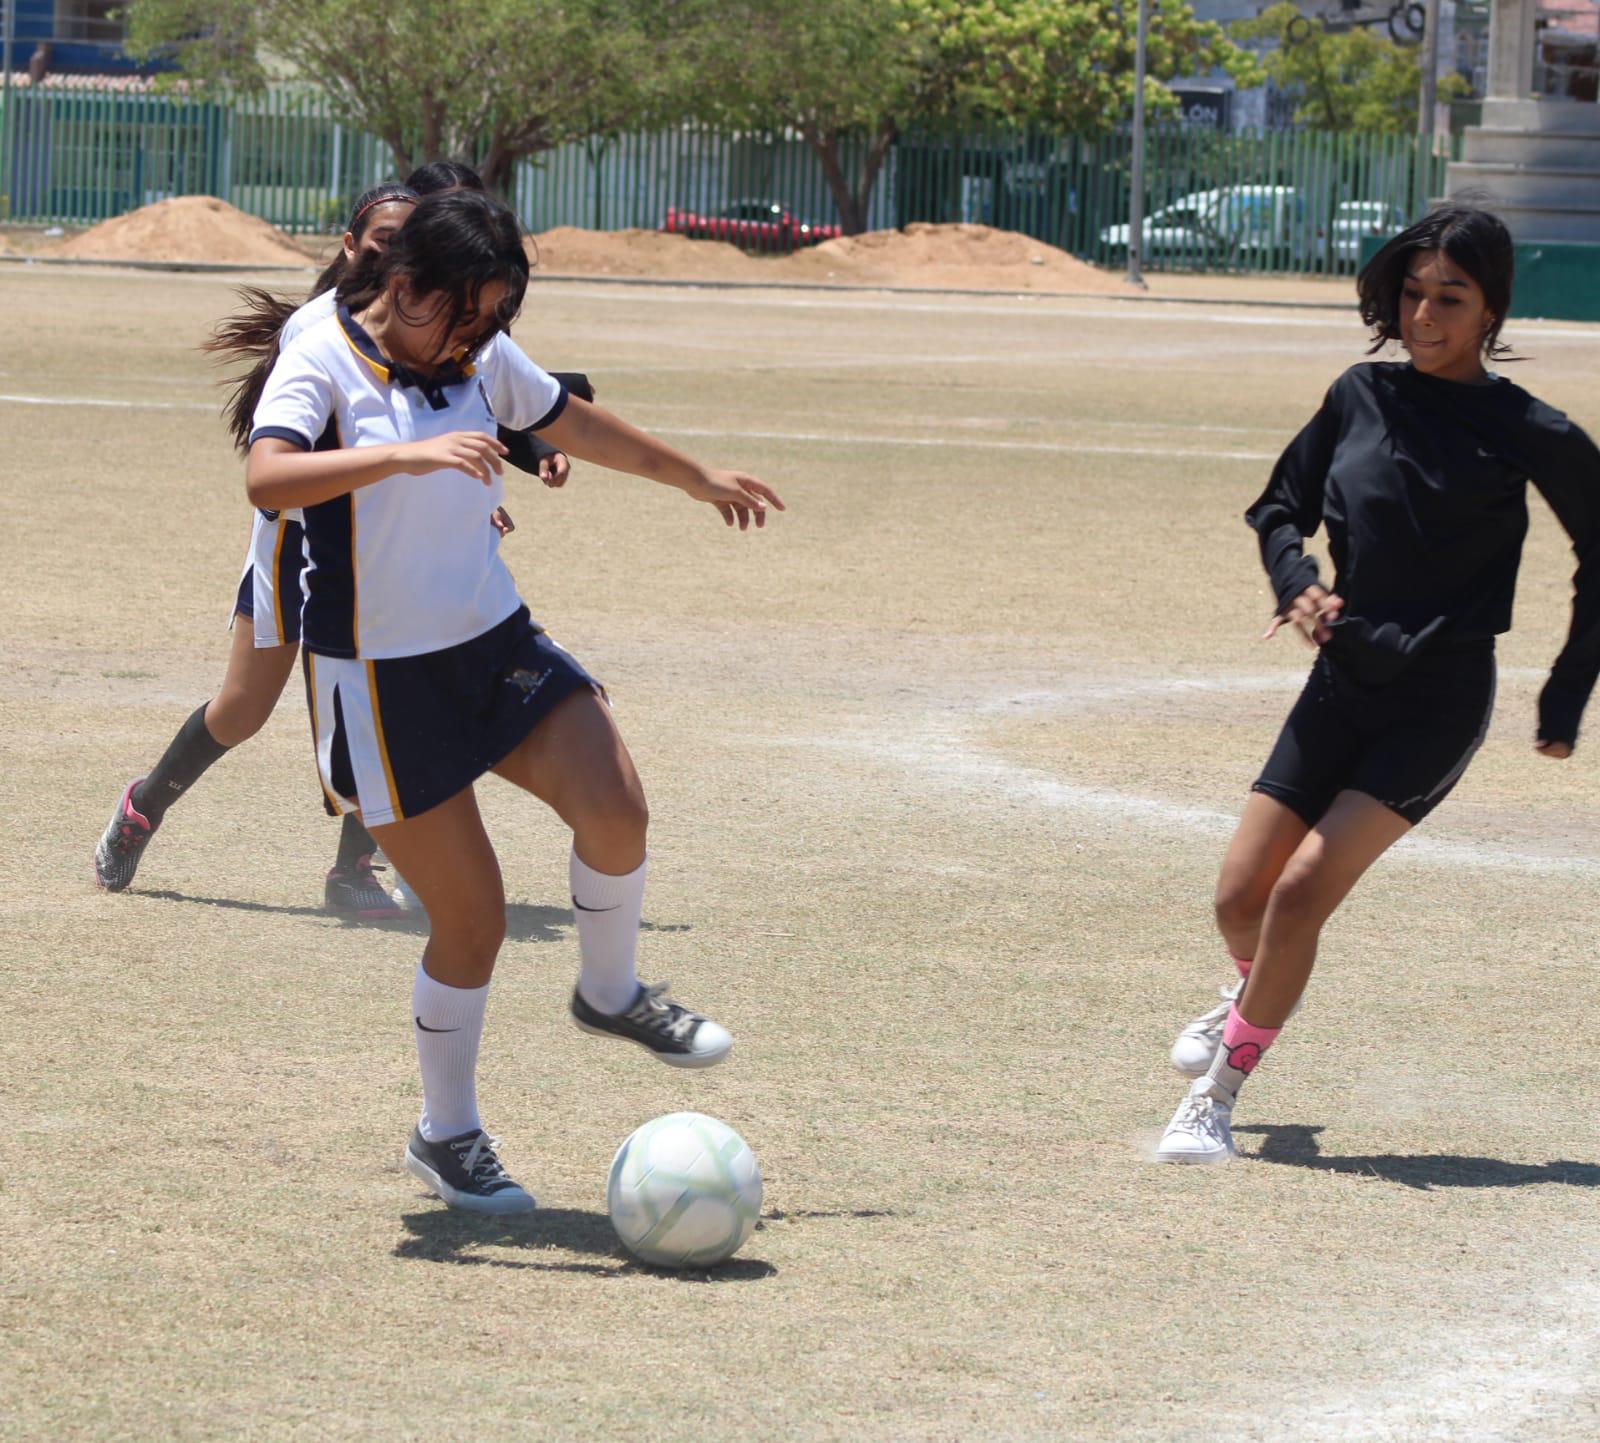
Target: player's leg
(575, 761)
(251, 686)
(1268, 833)
(1332, 857)
(446, 854)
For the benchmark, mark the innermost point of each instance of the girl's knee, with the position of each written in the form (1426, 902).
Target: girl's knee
(234, 717)
(471, 936)
(619, 811)
(1305, 892)
(1239, 906)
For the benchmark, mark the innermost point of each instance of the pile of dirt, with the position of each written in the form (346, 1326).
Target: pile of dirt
(569, 251)
(960, 257)
(192, 228)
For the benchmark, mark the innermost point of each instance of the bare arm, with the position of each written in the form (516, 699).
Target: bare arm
(278, 474)
(592, 434)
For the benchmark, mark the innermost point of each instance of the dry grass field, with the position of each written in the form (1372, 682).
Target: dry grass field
(940, 767)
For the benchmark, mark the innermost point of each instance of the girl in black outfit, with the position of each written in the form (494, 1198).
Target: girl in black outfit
(1419, 471)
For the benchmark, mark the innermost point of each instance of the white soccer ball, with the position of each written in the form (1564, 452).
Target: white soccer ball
(684, 1191)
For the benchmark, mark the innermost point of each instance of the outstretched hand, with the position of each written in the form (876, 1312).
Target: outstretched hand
(1310, 612)
(737, 496)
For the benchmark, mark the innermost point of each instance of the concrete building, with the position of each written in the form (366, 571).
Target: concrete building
(1536, 155)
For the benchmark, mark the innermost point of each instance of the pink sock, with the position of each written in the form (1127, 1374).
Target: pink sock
(1242, 1045)
(1242, 964)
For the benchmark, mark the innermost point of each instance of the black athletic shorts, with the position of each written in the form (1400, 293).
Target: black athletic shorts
(1406, 743)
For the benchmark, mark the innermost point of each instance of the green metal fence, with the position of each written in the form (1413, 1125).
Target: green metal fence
(1266, 201)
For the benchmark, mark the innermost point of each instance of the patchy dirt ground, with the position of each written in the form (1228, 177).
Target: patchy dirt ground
(940, 769)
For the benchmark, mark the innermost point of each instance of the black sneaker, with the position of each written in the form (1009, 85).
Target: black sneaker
(127, 834)
(465, 1172)
(679, 1037)
(357, 892)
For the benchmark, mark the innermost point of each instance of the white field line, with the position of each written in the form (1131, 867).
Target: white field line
(122, 404)
(1030, 305)
(1071, 448)
(944, 751)
(1507, 1380)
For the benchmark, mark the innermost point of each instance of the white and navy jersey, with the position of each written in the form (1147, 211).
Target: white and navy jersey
(313, 313)
(318, 309)
(410, 564)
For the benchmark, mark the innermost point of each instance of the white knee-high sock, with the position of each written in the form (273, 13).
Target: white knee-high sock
(607, 911)
(448, 1023)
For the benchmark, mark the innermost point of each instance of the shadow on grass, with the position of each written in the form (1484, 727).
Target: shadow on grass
(1296, 1145)
(525, 921)
(442, 1236)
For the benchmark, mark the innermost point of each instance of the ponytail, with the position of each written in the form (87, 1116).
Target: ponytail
(250, 334)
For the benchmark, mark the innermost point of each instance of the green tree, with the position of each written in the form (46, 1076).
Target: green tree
(490, 80)
(1348, 80)
(839, 71)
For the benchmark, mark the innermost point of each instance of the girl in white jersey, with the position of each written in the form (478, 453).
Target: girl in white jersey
(423, 668)
(266, 609)
(266, 616)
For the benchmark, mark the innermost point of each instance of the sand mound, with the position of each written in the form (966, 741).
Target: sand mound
(192, 228)
(960, 257)
(568, 251)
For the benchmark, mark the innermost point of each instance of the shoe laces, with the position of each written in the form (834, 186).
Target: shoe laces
(661, 1014)
(130, 837)
(480, 1162)
(1196, 1115)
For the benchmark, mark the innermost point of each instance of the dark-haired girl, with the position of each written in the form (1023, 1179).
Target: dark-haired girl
(1419, 472)
(423, 668)
(266, 609)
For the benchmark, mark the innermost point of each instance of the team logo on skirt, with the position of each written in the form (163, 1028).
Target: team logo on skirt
(527, 682)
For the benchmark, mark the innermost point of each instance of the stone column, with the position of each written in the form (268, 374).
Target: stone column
(1511, 49)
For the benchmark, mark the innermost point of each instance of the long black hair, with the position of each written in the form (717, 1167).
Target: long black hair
(454, 244)
(1473, 238)
(251, 333)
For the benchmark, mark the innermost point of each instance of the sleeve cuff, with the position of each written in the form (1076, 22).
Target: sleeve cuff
(550, 416)
(280, 433)
(1304, 574)
(1560, 711)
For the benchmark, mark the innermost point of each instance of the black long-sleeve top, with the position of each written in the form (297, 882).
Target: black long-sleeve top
(1422, 484)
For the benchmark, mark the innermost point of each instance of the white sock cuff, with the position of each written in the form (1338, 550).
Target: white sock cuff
(440, 1005)
(600, 890)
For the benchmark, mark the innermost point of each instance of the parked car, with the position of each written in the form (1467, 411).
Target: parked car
(1353, 219)
(1230, 224)
(762, 225)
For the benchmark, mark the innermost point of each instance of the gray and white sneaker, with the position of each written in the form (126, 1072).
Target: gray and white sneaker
(466, 1173)
(1201, 1130)
(122, 844)
(1198, 1044)
(677, 1036)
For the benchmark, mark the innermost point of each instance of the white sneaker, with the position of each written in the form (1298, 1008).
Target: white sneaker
(1198, 1044)
(402, 896)
(1201, 1129)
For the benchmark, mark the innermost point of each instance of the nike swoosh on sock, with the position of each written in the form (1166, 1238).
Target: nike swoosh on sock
(579, 905)
(424, 1026)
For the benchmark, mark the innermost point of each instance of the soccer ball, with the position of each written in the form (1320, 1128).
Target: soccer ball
(684, 1191)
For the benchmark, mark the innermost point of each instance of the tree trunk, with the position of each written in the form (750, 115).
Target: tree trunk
(852, 201)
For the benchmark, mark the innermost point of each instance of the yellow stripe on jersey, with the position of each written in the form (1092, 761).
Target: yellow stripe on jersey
(383, 745)
(277, 580)
(378, 368)
(316, 732)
